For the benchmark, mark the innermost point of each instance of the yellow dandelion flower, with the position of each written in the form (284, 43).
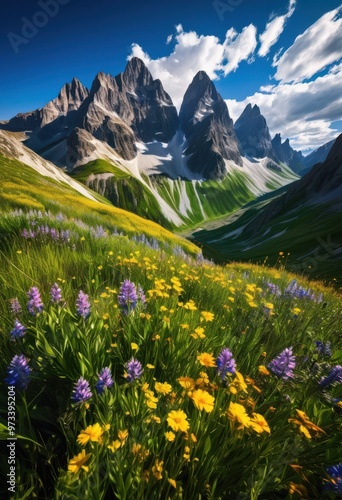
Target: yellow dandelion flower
(296, 311)
(170, 436)
(150, 367)
(203, 400)
(259, 424)
(134, 346)
(91, 433)
(177, 420)
(207, 316)
(77, 462)
(163, 388)
(206, 359)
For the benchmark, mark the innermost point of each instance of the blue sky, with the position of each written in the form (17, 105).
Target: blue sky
(235, 41)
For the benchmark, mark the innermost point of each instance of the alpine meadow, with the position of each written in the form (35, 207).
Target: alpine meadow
(170, 251)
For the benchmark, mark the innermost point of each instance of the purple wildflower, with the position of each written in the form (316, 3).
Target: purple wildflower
(15, 306)
(334, 377)
(105, 380)
(284, 364)
(35, 304)
(127, 297)
(18, 331)
(335, 472)
(225, 363)
(55, 294)
(83, 305)
(324, 349)
(141, 294)
(274, 289)
(81, 391)
(18, 372)
(134, 370)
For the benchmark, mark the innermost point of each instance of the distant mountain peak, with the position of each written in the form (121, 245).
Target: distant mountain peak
(208, 128)
(136, 73)
(253, 133)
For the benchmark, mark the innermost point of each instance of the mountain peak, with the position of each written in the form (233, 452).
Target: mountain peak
(253, 133)
(136, 73)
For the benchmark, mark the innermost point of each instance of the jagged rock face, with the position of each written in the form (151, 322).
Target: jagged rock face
(69, 100)
(253, 133)
(128, 108)
(286, 154)
(317, 156)
(208, 129)
(154, 115)
(79, 147)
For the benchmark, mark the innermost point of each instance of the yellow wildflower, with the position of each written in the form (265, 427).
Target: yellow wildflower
(77, 462)
(172, 482)
(206, 359)
(207, 316)
(91, 433)
(237, 414)
(123, 435)
(170, 436)
(259, 424)
(263, 370)
(115, 445)
(177, 420)
(186, 382)
(305, 425)
(203, 400)
(157, 469)
(163, 388)
(134, 346)
(238, 384)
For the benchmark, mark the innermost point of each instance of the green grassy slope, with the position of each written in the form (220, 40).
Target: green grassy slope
(309, 237)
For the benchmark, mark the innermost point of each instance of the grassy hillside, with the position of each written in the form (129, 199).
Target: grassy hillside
(22, 187)
(139, 370)
(309, 239)
(193, 201)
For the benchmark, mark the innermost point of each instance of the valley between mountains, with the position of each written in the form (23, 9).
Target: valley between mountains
(190, 170)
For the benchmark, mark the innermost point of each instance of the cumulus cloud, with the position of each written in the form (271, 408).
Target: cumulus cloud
(274, 29)
(302, 112)
(318, 47)
(193, 52)
(239, 47)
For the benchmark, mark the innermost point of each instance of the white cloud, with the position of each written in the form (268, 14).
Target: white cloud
(274, 29)
(302, 112)
(193, 53)
(169, 39)
(312, 51)
(239, 47)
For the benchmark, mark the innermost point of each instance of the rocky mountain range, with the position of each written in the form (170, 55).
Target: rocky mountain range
(125, 139)
(301, 220)
(131, 109)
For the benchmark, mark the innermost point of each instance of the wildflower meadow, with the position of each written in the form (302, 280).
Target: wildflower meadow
(139, 370)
